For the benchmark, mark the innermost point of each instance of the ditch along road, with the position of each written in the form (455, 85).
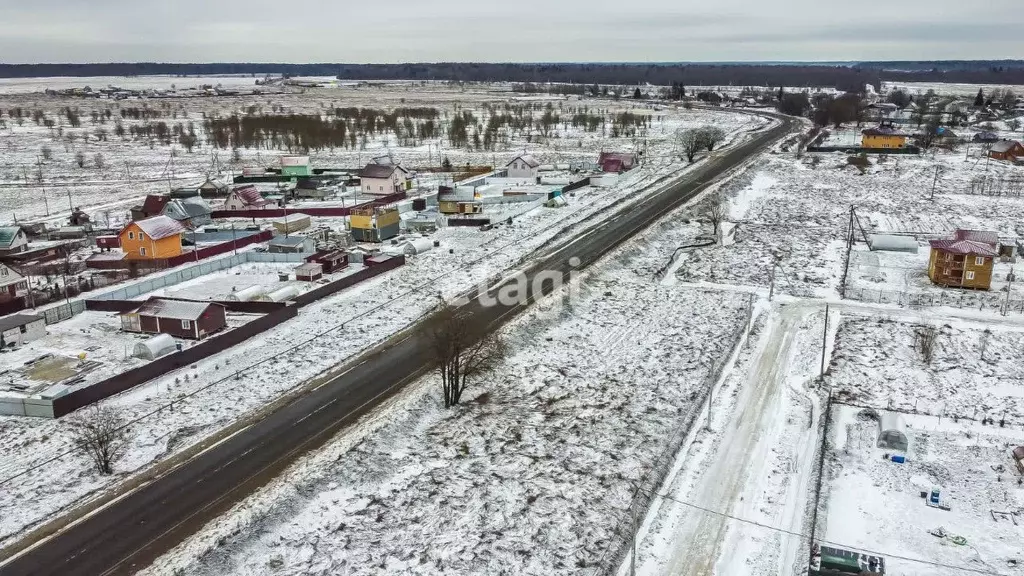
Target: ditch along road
(132, 531)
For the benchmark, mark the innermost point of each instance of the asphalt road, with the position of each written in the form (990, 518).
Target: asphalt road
(131, 532)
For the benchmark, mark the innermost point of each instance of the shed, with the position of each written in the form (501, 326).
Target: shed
(417, 246)
(292, 245)
(331, 260)
(893, 243)
(21, 329)
(292, 223)
(155, 347)
(309, 272)
(247, 294)
(892, 432)
(281, 294)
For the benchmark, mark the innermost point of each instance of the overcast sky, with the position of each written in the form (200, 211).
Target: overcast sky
(348, 31)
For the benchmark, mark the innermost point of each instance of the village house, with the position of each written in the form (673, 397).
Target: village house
(12, 284)
(330, 260)
(1008, 150)
(617, 162)
(21, 329)
(192, 212)
(179, 318)
(12, 240)
(986, 137)
(213, 189)
(153, 205)
(966, 261)
(885, 135)
(383, 179)
(296, 166)
(524, 166)
(156, 237)
(291, 245)
(246, 198)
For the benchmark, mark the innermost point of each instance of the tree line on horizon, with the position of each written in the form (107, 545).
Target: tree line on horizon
(841, 77)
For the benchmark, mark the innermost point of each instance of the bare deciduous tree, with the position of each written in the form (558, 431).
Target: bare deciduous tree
(690, 142)
(99, 161)
(462, 348)
(80, 159)
(47, 153)
(715, 214)
(925, 339)
(103, 435)
(712, 136)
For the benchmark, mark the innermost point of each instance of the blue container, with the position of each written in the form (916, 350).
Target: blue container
(899, 458)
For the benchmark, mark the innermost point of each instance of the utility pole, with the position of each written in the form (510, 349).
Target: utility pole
(771, 286)
(824, 341)
(934, 182)
(1009, 288)
(632, 561)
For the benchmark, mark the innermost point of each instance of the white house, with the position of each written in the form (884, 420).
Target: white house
(20, 329)
(12, 240)
(383, 179)
(12, 284)
(525, 166)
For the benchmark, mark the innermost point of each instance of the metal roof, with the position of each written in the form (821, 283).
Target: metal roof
(977, 236)
(159, 227)
(249, 195)
(154, 204)
(8, 234)
(1004, 146)
(173, 309)
(379, 170)
(882, 131)
(17, 321)
(288, 240)
(964, 247)
(528, 158)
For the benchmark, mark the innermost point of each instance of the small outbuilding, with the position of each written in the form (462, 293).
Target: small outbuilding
(155, 347)
(309, 272)
(291, 245)
(181, 318)
(331, 260)
(21, 329)
(892, 432)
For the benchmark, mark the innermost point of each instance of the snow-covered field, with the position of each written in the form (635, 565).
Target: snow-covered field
(875, 504)
(228, 386)
(538, 466)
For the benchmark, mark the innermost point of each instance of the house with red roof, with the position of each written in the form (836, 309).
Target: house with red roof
(617, 162)
(965, 261)
(246, 198)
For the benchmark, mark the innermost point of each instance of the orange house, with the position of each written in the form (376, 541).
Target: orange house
(156, 237)
(966, 261)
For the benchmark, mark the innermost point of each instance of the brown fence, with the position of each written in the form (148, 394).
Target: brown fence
(135, 376)
(468, 221)
(350, 280)
(229, 305)
(309, 210)
(576, 185)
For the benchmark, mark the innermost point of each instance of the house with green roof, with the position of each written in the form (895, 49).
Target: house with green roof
(12, 240)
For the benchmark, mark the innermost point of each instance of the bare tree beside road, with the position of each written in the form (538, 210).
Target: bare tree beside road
(102, 434)
(463, 350)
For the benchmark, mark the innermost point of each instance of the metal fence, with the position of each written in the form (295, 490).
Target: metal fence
(64, 311)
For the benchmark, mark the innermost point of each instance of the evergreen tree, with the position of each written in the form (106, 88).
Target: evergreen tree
(637, 95)
(979, 100)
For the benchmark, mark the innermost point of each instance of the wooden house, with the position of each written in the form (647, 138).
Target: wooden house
(374, 224)
(179, 318)
(524, 166)
(966, 261)
(330, 260)
(153, 205)
(20, 329)
(461, 200)
(885, 135)
(1006, 150)
(12, 240)
(12, 284)
(246, 198)
(383, 179)
(156, 237)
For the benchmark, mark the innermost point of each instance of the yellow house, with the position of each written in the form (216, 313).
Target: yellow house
(156, 237)
(883, 137)
(374, 224)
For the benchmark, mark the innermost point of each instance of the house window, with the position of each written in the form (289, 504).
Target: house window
(142, 251)
(381, 188)
(979, 261)
(186, 324)
(131, 235)
(142, 236)
(970, 276)
(949, 257)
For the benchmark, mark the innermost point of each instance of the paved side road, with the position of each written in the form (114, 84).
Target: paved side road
(131, 532)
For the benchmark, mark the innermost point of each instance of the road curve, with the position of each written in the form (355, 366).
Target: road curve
(131, 532)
